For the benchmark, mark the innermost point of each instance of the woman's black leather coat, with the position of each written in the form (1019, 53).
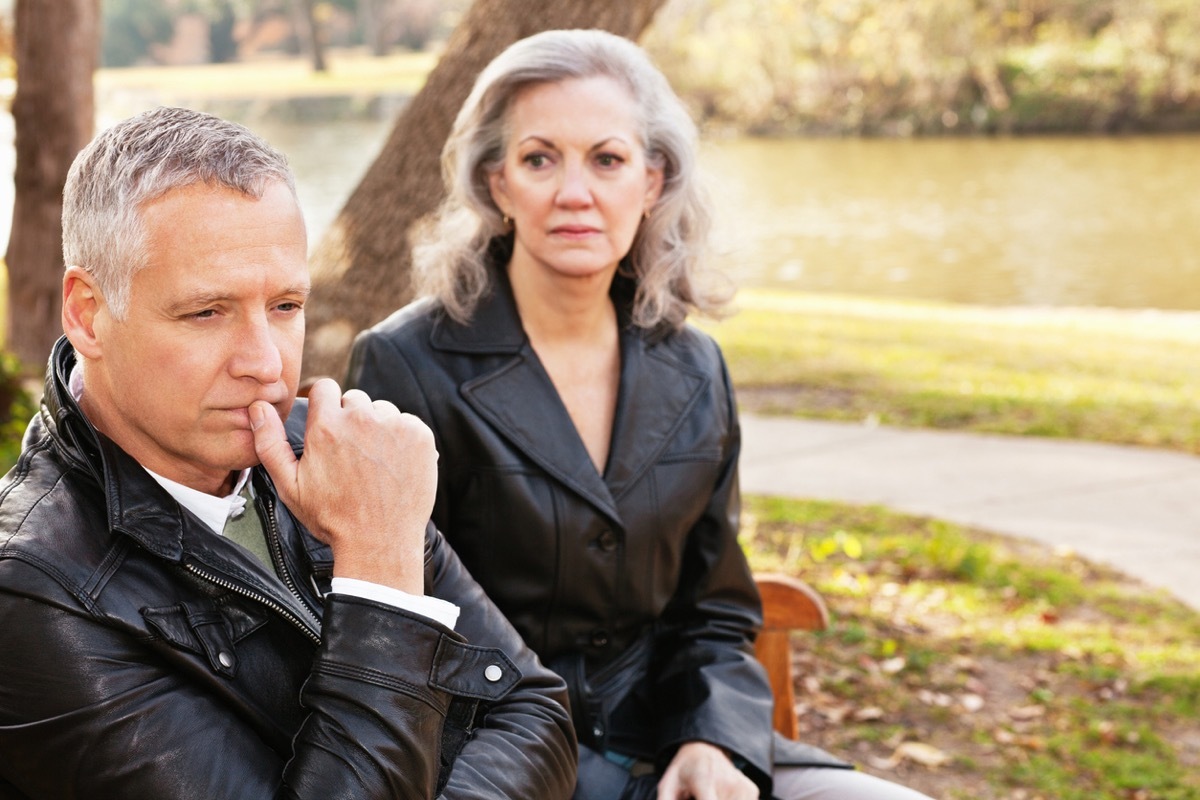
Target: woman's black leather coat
(142, 656)
(631, 584)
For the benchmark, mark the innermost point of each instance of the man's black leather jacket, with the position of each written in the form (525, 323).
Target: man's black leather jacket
(142, 656)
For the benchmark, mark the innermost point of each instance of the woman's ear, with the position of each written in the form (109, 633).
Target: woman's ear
(498, 188)
(81, 303)
(654, 186)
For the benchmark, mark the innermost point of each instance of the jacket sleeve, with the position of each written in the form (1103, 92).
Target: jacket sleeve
(709, 685)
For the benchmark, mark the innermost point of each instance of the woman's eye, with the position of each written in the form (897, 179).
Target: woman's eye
(608, 160)
(535, 160)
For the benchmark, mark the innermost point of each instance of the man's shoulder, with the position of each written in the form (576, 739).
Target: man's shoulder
(54, 519)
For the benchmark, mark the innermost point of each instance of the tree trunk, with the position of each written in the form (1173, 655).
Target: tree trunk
(361, 266)
(308, 30)
(371, 19)
(57, 49)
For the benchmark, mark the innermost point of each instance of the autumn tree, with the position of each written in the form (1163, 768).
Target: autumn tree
(56, 50)
(361, 267)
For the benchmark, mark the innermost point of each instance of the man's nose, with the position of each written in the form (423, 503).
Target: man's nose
(256, 353)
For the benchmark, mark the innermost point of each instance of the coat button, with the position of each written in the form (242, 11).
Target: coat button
(493, 673)
(225, 659)
(607, 541)
(599, 638)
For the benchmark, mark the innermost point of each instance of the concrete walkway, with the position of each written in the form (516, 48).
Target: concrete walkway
(1134, 509)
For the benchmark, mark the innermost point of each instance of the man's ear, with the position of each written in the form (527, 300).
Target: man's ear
(81, 304)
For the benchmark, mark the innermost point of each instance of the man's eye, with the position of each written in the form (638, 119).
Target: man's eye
(207, 313)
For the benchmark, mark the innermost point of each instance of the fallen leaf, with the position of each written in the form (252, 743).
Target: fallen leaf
(1027, 712)
(917, 752)
(971, 703)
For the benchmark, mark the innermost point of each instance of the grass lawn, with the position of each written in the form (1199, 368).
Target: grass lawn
(1128, 377)
(979, 667)
(349, 72)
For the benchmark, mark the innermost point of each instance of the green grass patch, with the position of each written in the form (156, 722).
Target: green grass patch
(1129, 377)
(1033, 673)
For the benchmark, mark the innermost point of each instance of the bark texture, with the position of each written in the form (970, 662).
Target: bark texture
(361, 267)
(57, 48)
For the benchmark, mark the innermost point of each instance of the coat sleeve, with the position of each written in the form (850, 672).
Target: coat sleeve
(709, 685)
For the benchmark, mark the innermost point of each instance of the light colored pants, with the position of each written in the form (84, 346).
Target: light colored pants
(601, 779)
(818, 783)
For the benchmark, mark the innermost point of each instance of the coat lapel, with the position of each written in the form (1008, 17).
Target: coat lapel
(518, 399)
(656, 393)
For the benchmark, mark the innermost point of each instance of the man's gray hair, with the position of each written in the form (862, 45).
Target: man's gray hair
(139, 160)
(451, 258)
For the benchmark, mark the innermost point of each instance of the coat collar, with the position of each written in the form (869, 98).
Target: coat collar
(516, 396)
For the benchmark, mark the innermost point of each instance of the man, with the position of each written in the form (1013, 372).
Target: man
(177, 621)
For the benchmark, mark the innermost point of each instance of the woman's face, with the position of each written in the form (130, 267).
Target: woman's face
(574, 179)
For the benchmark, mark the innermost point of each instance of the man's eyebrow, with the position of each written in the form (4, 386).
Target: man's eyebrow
(201, 298)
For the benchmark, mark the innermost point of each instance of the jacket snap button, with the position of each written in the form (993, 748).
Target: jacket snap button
(607, 541)
(225, 659)
(493, 673)
(599, 638)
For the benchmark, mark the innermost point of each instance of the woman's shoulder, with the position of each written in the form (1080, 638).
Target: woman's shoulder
(691, 344)
(410, 324)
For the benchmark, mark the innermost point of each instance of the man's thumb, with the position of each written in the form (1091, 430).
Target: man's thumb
(271, 444)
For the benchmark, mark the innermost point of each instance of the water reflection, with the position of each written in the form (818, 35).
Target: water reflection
(1066, 221)
(1055, 222)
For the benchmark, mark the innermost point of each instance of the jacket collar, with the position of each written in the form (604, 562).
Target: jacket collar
(136, 505)
(517, 397)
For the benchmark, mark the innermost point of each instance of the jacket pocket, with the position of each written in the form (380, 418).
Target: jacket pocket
(206, 628)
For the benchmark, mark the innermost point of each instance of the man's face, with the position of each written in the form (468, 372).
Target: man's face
(215, 322)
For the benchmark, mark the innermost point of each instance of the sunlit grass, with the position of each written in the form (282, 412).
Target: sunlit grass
(349, 73)
(1086, 684)
(1114, 376)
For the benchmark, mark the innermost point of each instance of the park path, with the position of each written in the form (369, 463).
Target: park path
(1135, 509)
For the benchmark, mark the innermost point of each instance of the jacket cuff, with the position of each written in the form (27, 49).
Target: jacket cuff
(400, 650)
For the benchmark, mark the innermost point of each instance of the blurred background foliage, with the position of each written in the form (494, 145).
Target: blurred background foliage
(798, 67)
(921, 67)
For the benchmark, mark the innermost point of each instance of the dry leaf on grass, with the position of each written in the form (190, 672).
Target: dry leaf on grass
(917, 752)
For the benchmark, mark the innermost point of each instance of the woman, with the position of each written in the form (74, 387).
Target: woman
(588, 437)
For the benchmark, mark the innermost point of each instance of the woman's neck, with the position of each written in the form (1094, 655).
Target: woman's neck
(556, 308)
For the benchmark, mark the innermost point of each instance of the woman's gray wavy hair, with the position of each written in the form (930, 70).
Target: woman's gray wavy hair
(139, 160)
(450, 259)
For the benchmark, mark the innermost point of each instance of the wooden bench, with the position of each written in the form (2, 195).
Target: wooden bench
(789, 604)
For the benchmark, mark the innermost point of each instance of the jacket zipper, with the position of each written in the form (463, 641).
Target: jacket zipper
(276, 545)
(310, 626)
(257, 597)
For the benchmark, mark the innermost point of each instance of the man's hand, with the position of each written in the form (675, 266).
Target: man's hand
(365, 485)
(700, 771)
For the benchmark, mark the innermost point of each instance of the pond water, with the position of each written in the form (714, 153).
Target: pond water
(1035, 222)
